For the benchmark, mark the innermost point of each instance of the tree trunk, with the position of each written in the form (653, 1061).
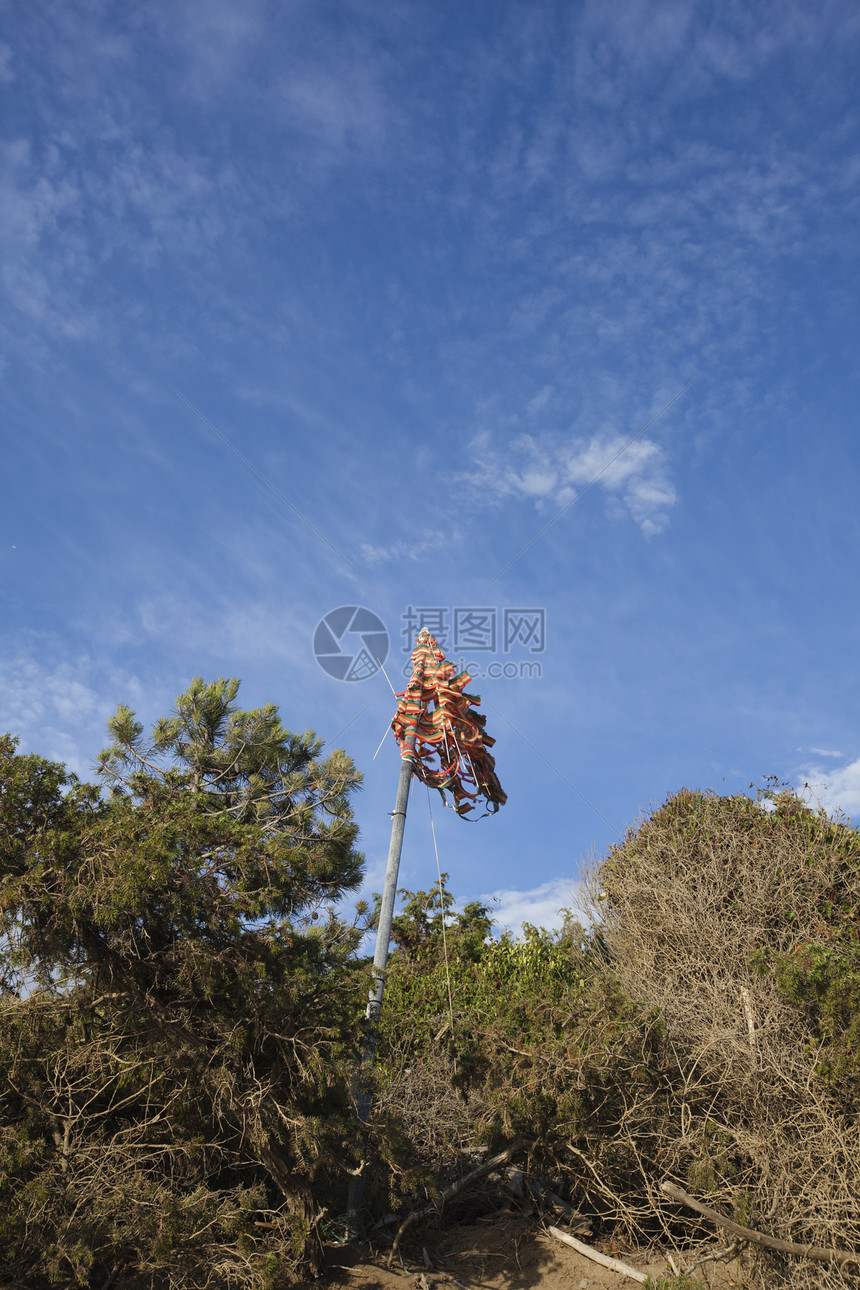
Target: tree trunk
(298, 1197)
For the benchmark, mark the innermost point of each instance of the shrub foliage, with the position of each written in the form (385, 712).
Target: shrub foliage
(703, 1030)
(179, 1009)
(175, 1000)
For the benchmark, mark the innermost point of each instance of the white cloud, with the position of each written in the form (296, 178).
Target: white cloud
(826, 752)
(401, 550)
(58, 702)
(60, 709)
(541, 906)
(509, 908)
(836, 788)
(549, 469)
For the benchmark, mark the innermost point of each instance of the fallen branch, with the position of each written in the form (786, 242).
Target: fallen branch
(760, 1238)
(486, 1168)
(605, 1259)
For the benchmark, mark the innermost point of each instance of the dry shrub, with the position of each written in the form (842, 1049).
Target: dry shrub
(700, 1031)
(454, 1083)
(710, 911)
(426, 1122)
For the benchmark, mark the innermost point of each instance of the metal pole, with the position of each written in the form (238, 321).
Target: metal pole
(380, 960)
(389, 894)
(383, 932)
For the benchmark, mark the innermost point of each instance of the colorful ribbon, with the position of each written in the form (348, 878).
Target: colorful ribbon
(437, 726)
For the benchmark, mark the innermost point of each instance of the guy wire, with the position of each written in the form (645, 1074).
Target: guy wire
(382, 741)
(442, 907)
(385, 674)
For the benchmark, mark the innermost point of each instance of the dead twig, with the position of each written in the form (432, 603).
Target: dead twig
(817, 1252)
(746, 1000)
(718, 1256)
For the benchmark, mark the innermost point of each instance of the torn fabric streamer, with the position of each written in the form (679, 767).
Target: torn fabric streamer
(438, 727)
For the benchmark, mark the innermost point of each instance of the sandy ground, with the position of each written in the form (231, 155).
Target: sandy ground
(498, 1252)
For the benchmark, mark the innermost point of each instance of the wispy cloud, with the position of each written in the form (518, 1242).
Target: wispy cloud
(341, 110)
(57, 700)
(227, 628)
(60, 708)
(548, 469)
(402, 550)
(216, 39)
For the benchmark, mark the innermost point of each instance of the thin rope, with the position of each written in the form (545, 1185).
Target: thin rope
(382, 741)
(442, 907)
(385, 674)
(469, 760)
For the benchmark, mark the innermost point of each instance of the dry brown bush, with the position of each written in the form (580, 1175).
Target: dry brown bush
(673, 1051)
(689, 903)
(417, 1095)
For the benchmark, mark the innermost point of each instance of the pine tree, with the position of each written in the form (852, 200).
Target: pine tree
(176, 989)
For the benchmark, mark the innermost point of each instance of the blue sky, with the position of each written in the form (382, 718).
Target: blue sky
(432, 269)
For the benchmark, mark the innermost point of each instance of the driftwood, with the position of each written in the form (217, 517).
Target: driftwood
(760, 1238)
(605, 1260)
(486, 1168)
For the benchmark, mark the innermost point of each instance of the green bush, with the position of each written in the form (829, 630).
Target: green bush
(176, 1001)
